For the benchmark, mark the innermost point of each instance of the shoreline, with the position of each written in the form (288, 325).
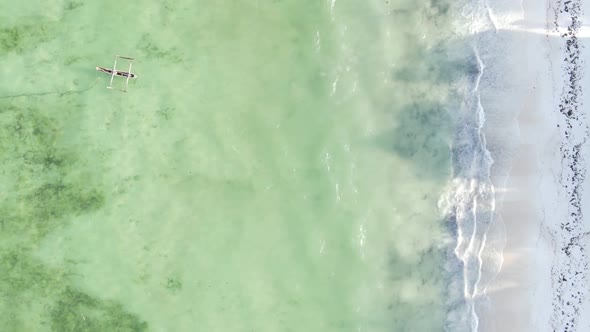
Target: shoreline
(543, 281)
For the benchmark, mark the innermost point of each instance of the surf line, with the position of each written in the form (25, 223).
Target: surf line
(61, 93)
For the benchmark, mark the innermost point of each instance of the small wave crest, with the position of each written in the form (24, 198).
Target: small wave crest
(469, 207)
(469, 202)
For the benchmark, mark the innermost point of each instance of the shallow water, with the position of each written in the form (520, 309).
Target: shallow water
(275, 167)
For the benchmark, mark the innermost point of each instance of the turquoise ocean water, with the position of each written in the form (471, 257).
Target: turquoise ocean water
(276, 166)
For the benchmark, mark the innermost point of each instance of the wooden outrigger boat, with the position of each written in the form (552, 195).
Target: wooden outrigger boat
(114, 72)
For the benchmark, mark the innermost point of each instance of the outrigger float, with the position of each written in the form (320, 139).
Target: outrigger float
(114, 72)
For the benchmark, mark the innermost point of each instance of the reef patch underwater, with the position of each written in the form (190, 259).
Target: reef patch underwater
(44, 186)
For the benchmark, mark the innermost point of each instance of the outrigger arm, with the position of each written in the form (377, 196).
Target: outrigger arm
(114, 72)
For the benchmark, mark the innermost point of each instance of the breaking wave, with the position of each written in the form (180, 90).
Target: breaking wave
(469, 202)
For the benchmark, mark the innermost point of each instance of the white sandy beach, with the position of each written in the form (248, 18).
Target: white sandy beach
(543, 284)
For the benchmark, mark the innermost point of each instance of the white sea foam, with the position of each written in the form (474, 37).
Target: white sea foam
(470, 200)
